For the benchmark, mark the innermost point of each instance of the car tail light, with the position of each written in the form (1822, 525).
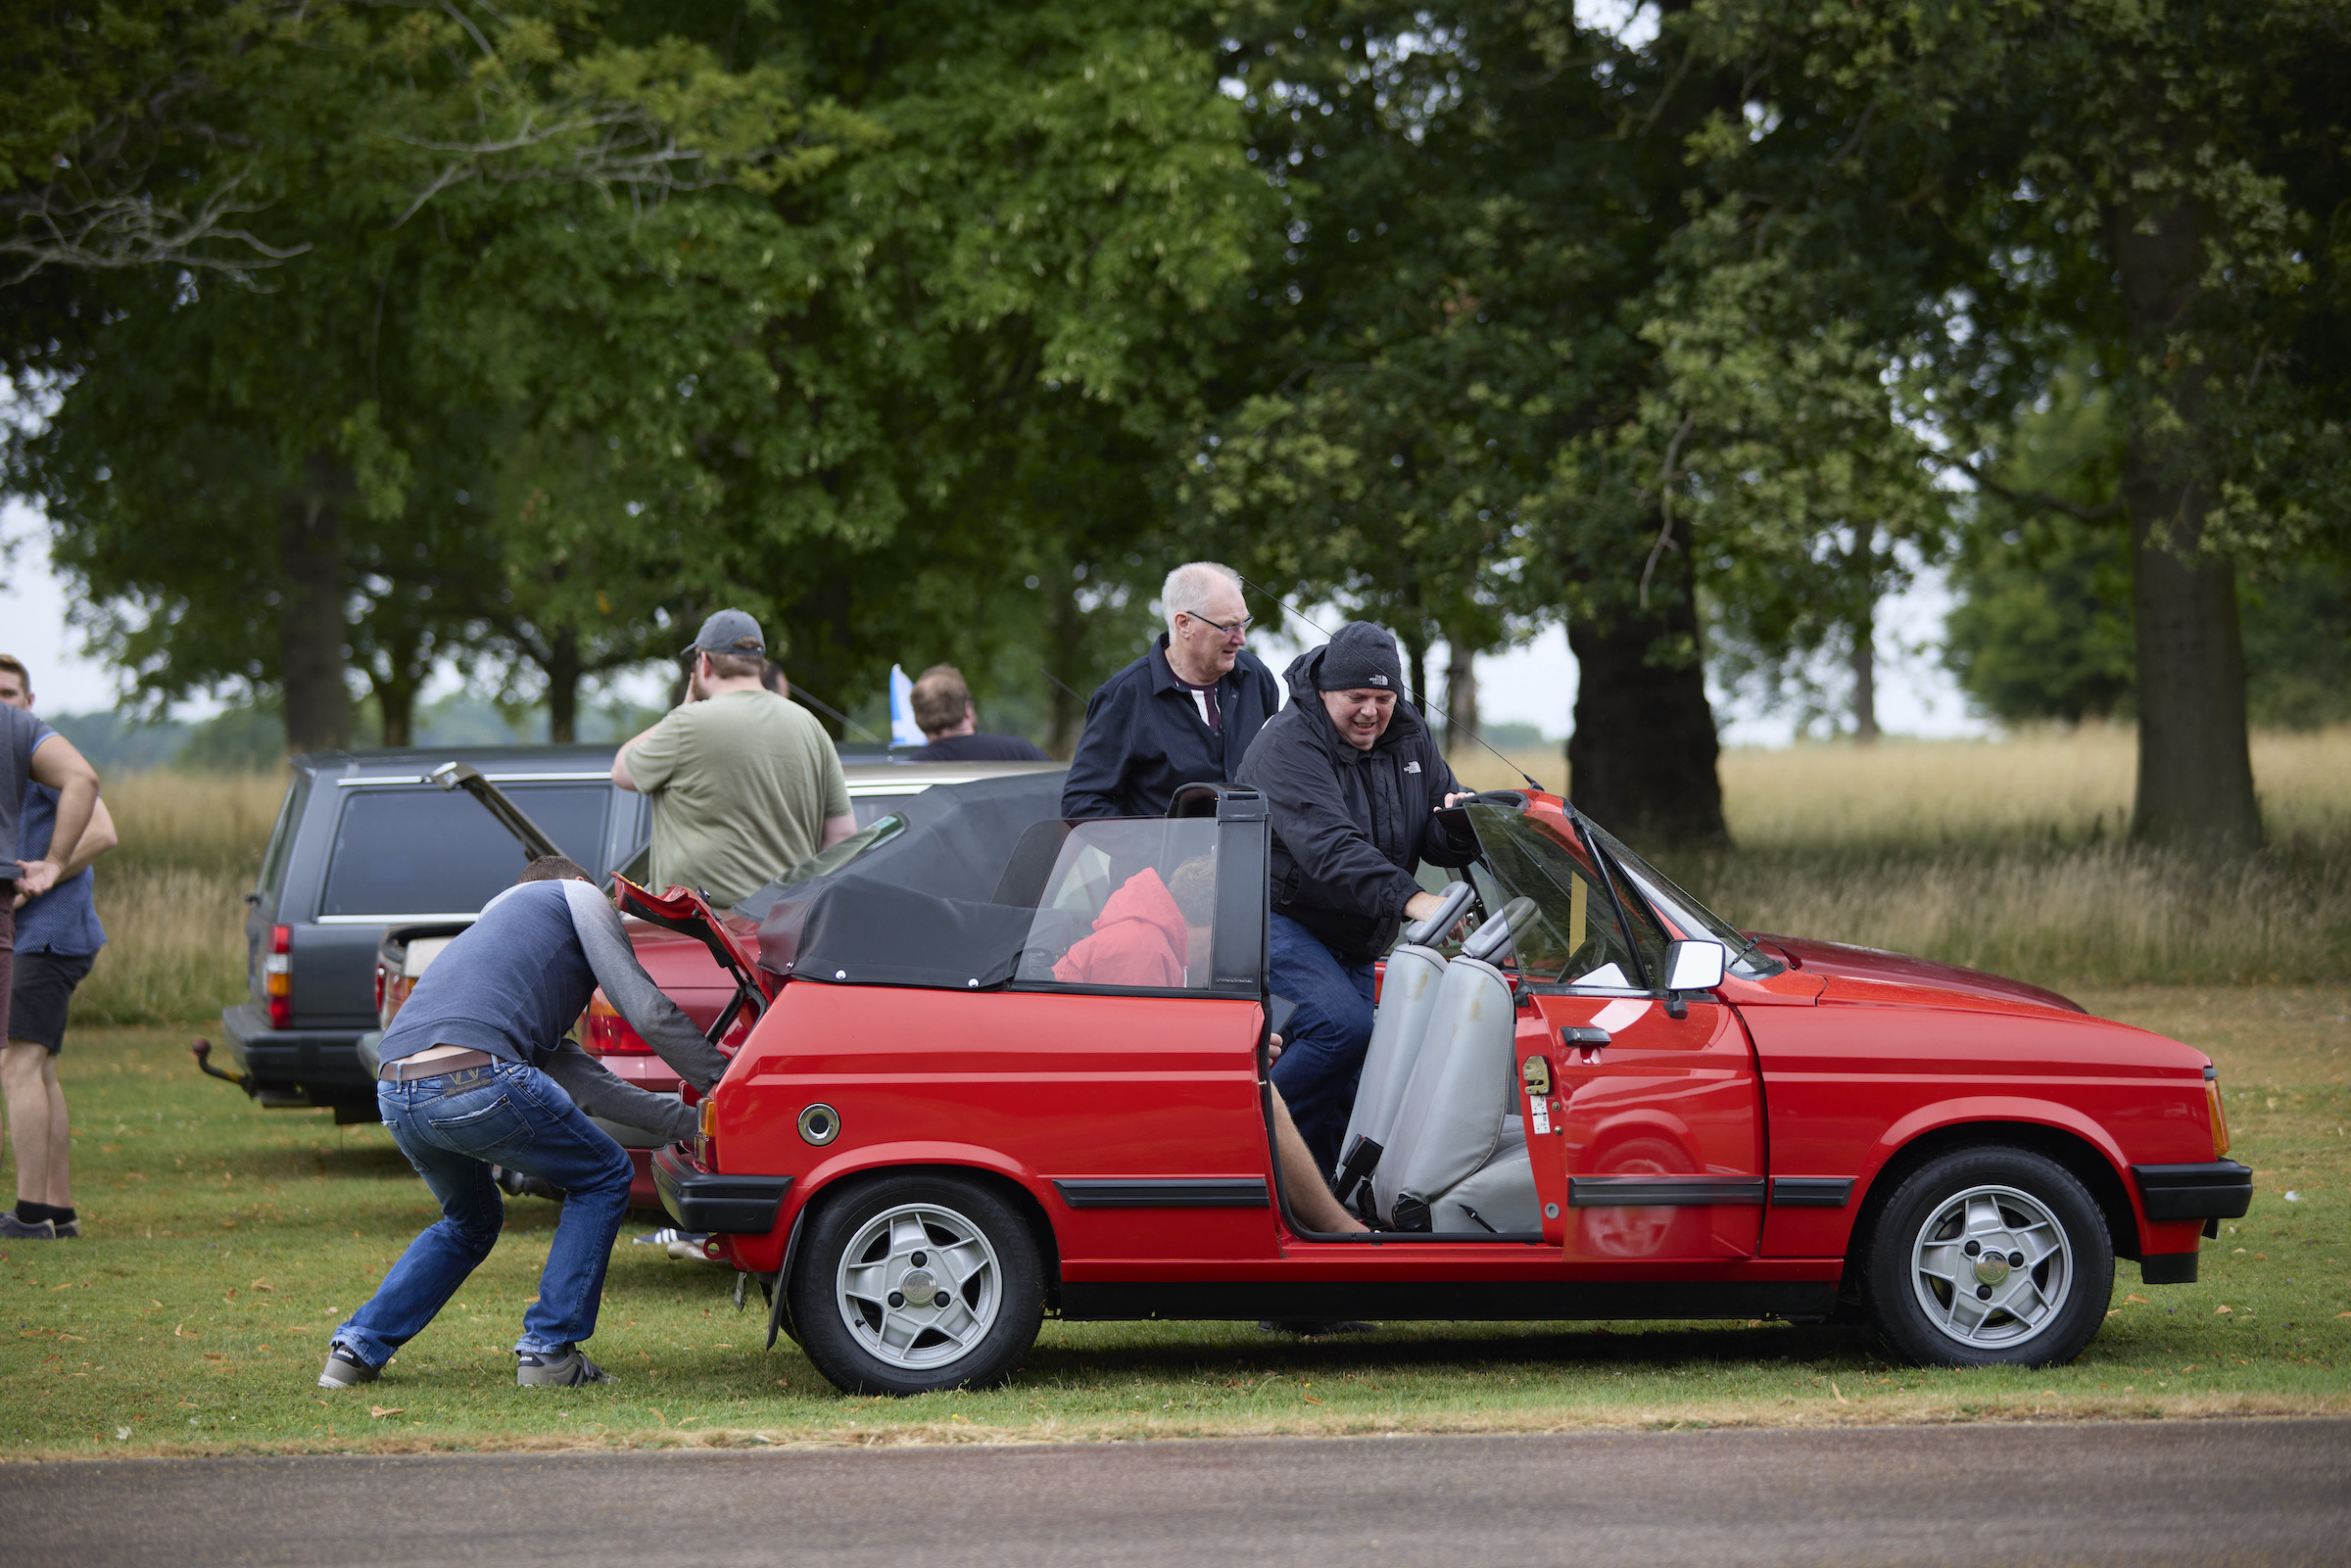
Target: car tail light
(379, 990)
(705, 1148)
(278, 978)
(2220, 1113)
(609, 1034)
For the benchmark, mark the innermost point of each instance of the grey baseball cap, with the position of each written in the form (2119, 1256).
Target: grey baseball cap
(724, 633)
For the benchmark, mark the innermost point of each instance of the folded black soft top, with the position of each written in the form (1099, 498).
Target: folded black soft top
(919, 908)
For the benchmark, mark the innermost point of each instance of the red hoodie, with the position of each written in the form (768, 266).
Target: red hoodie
(1139, 940)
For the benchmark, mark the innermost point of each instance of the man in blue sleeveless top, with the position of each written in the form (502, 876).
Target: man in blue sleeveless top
(475, 1072)
(33, 753)
(57, 940)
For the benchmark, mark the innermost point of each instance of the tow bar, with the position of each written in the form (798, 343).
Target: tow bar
(202, 1050)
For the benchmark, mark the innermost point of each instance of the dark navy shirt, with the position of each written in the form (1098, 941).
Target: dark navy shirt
(1145, 734)
(977, 749)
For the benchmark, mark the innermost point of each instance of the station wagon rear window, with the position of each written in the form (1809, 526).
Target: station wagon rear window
(408, 851)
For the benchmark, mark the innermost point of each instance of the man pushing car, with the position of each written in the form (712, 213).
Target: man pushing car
(476, 1070)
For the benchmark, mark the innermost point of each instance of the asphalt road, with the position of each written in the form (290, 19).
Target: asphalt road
(2233, 1493)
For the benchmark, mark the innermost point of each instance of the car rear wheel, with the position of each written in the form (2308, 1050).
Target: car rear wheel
(910, 1283)
(1990, 1257)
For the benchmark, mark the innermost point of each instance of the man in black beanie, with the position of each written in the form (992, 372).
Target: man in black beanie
(1352, 779)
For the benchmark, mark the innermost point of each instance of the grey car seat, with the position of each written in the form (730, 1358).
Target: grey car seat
(1408, 995)
(1449, 1165)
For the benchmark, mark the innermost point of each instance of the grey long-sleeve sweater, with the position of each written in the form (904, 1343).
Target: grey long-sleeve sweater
(512, 984)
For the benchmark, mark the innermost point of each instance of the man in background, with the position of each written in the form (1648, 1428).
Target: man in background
(744, 783)
(943, 708)
(41, 775)
(1183, 713)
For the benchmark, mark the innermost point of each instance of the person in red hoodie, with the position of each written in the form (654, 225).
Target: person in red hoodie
(1155, 932)
(1144, 934)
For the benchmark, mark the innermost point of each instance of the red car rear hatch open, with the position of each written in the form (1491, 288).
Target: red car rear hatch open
(686, 912)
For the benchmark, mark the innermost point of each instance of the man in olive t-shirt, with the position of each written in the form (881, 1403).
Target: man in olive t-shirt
(744, 783)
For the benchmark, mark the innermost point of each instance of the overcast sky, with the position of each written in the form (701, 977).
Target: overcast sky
(1534, 684)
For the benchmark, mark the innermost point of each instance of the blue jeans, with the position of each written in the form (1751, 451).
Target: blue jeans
(1323, 1049)
(452, 1128)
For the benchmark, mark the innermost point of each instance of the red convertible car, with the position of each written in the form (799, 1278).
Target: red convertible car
(949, 1115)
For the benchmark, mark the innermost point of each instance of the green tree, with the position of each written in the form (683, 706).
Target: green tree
(389, 150)
(2042, 627)
(1473, 203)
(2151, 185)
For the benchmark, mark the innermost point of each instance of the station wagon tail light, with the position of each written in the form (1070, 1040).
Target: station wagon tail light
(706, 1146)
(609, 1034)
(2219, 1112)
(278, 978)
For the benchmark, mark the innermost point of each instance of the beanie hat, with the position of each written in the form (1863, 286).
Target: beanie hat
(1361, 656)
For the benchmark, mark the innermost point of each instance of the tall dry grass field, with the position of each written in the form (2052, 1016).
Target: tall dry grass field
(172, 895)
(2005, 854)
(2011, 855)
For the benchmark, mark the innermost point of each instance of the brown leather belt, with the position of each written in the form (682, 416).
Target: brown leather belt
(408, 1069)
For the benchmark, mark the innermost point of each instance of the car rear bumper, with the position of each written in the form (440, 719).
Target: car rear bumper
(2222, 1189)
(705, 1201)
(297, 1066)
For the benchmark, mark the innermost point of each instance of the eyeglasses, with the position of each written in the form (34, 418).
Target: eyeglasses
(1239, 628)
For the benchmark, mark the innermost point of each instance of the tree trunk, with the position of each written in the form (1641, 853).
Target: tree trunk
(1864, 660)
(1642, 758)
(1415, 670)
(820, 646)
(2196, 767)
(563, 687)
(311, 628)
(1460, 695)
(1066, 709)
(396, 705)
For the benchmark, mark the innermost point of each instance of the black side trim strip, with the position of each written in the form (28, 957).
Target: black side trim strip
(2168, 1268)
(1153, 1192)
(1440, 1301)
(1811, 1192)
(1661, 1191)
(2220, 1190)
(699, 1200)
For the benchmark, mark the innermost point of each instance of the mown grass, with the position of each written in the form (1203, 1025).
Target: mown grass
(225, 1244)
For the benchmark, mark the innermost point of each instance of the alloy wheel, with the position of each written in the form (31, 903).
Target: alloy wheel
(1992, 1267)
(919, 1287)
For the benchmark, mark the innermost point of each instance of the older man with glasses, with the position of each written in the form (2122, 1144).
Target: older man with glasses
(1183, 713)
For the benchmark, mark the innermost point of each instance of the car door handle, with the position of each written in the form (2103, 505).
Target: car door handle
(1583, 1037)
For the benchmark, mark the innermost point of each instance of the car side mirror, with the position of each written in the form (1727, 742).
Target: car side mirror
(1694, 965)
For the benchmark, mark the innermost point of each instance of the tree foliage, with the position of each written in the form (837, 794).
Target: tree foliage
(2154, 186)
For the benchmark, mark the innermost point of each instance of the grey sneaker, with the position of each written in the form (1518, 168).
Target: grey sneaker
(344, 1370)
(567, 1368)
(13, 1228)
(68, 1229)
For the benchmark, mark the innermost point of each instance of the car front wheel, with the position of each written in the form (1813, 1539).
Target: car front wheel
(1990, 1257)
(911, 1283)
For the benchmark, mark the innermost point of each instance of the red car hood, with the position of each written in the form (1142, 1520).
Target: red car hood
(1873, 964)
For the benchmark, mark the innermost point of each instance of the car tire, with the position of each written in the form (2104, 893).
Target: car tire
(1990, 1257)
(908, 1284)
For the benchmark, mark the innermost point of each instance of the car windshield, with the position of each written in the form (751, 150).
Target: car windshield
(1576, 937)
(1685, 913)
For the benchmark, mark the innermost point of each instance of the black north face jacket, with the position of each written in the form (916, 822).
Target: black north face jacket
(1348, 825)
